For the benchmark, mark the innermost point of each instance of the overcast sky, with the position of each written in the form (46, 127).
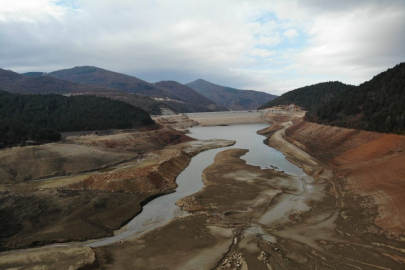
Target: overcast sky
(273, 46)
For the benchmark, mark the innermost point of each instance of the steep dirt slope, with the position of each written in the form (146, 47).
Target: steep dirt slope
(369, 164)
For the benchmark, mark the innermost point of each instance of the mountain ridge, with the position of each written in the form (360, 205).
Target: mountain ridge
(164, 92)
(309, 97)
(229, 97)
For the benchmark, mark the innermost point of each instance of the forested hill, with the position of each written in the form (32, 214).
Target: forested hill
(34, 84)
(376, 105)
(175, 95)
(42, 117)
(89, 75)
(309, 97)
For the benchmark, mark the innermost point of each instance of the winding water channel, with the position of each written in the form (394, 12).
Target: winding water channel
(162, 209)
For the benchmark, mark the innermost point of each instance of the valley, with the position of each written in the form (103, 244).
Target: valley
(198, 135)
(256, 208)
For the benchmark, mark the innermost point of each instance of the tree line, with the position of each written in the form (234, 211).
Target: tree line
(376, 105)
(41, 118)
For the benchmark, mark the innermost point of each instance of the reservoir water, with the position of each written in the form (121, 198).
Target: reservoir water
(162, 209)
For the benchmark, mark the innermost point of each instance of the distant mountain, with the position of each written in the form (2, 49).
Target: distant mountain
(190, 95)
(88, 75)
(42, 117)
(376, 105)
(16, 83)
(33, 74)
(39, 83)
(231, 98)
(309, 97)
(182, 99)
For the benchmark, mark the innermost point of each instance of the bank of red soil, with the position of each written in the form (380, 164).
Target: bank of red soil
(369, 164)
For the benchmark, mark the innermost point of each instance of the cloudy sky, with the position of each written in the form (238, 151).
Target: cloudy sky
(273, 46)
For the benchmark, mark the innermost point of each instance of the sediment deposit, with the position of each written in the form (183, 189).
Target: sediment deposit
(94, 203)
(345, 213)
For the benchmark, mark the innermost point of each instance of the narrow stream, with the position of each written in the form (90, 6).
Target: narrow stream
(162, 209)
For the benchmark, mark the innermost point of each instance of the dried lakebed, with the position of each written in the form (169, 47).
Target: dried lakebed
(163, 209)
(253, 210)
(249, 215)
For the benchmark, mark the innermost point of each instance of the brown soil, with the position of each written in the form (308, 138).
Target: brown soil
(138, 141)
(34, 218)
(71, 258)
(82, 153)
(178, 122)
(20, 164)
(369, 164)
(156, 173)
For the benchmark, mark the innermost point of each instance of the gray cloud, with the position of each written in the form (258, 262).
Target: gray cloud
(223, 42)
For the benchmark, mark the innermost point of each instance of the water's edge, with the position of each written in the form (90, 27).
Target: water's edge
(161, 210)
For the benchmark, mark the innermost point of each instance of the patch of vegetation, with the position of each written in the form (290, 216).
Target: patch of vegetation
(243, 101)
(309, 97)
(32, 74)
(40, 118)
(376, 105)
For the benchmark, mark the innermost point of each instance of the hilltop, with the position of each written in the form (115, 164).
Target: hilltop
(16, 83)
(179, 97)
(89, 75)
(309, 97)
(231, 98)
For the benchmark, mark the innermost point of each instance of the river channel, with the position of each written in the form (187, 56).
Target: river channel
(163, 209)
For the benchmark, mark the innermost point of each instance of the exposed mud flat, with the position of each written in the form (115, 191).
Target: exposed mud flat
(248, 217)
(278, 221)
(96, 203)
(236, 225)
(72, 258)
